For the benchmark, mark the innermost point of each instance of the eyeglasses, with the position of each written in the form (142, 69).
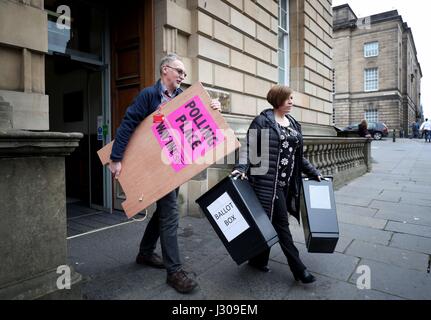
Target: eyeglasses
(180, 72)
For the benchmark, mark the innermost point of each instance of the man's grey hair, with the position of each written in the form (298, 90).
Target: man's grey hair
(167, 60)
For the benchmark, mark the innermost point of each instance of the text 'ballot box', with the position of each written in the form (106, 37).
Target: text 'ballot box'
(319, 215)
(238, 218)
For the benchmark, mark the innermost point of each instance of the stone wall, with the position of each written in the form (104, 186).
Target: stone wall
(33, 214)
(311, 60)
(22, 67)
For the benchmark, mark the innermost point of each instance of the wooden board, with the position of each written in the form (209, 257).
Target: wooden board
(149, 172)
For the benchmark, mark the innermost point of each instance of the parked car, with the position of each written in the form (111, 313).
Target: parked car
(378, 130)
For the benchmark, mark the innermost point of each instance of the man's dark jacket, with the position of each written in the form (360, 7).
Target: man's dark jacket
(144, 104)
(264, 185)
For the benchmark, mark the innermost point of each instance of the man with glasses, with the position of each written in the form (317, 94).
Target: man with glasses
(164, 222)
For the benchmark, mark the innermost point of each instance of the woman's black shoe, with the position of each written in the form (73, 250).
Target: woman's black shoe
(305, 277)
(260, 268)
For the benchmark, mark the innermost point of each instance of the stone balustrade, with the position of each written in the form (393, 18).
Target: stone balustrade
(343, 158)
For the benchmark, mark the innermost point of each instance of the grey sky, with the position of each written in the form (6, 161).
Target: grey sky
(415, 13)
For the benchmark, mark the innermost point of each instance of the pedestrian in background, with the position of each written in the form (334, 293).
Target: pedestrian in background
(415, 128)
(426, 129)
(363, 129)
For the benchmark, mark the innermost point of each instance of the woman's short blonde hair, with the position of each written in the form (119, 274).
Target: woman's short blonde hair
(278, 95)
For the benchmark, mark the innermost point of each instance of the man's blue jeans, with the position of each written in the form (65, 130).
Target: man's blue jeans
(164, 225)
(427, 134)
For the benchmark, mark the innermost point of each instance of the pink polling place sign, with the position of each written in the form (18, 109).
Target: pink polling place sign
(158, 160)
(187, 134)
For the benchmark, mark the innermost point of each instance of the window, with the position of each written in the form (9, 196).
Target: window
(83, 39)
(372, 116)
(371, 49)
(57, 38)
(371, 79)
(283, 43)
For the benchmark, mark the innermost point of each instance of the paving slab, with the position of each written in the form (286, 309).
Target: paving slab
(412, 229)
(326, 288)
(365, 234)
(393, 256)
(412, 243)
(374, 223)
(401, 208)
(355, 210)
(410, 218)
(336, 265)
(401, 282)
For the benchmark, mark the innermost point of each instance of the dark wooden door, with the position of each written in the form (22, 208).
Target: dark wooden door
(132, 45)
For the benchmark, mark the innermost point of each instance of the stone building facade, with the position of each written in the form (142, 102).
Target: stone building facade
(377, 75)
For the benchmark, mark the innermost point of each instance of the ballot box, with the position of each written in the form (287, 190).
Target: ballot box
(319, 215)
(238, 218)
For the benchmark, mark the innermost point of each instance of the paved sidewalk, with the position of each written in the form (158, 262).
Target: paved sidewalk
(385, 223)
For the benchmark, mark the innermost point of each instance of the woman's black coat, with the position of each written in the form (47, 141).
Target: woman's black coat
(264, 184)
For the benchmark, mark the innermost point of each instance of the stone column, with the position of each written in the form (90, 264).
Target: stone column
(33, 214)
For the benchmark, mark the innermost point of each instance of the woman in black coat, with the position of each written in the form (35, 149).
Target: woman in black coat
(276, 179)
